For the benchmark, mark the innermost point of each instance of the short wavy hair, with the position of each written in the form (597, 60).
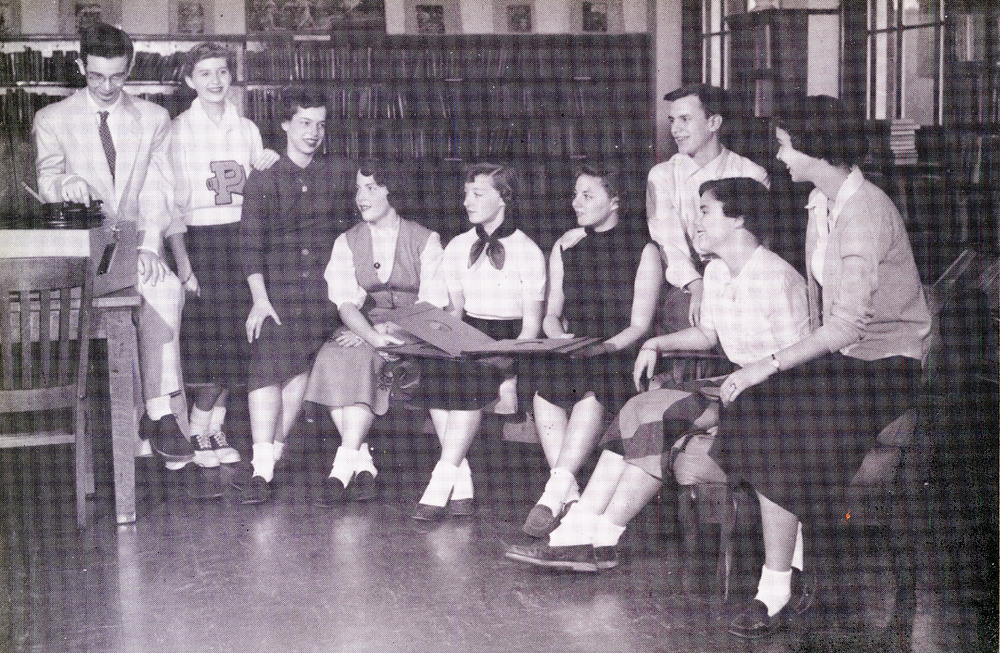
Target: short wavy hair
(204, 51)
(820, 126)
(747, 198)
(294, 98)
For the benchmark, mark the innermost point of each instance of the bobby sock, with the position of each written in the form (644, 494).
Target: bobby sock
(558, 486)
(217, 418)
(364, 462)
(442, 481)
(774, 589)
(344, 464)
(263, 460)
(463, 484)
(797, 553)
(279, 448)
(199, 421)
(575, 528)
(158, 407)
(605, 532)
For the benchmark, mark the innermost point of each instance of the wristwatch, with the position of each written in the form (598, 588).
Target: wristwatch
(775, 363)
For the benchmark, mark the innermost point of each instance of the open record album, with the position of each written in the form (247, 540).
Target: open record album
(442, 335)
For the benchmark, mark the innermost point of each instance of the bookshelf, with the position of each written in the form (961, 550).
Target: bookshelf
(543, 103)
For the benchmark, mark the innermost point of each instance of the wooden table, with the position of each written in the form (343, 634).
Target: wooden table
(113, 322)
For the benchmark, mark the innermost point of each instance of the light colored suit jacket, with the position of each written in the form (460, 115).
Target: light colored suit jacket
(68, 145)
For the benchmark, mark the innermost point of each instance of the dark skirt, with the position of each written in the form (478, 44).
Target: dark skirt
(800, 436)
(283, 351)
(465, 384)
(563, 380)
(213, 328)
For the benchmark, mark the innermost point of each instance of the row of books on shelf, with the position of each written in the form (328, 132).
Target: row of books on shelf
(458, 101)
(18, 107)
(565, 60)
(30, 66)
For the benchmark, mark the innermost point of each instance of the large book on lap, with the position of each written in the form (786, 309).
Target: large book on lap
(445, 336)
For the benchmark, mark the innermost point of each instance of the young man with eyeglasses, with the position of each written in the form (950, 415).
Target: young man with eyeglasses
(102, 144)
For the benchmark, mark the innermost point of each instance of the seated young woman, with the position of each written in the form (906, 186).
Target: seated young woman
(796, 425)
(495, 276)
(754, 305)
(381, 263)
(604, 280)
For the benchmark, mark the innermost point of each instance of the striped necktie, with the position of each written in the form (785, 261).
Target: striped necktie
(109, 145)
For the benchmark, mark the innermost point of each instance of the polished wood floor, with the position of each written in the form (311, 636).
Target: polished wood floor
(211, 575)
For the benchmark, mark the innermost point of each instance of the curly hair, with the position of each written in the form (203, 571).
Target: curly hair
(821, 127)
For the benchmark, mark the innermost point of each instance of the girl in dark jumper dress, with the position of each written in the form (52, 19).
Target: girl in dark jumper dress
(604, 280)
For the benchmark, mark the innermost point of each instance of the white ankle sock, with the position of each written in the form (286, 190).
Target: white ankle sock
(575, 528)
(344, 464)
(217, 419)
(279, 449)
(199, 421)
(158, 407)
(559, 484)
(605, 532)
(774, 589)
(442, 481)
(797, 553)
(363, 462)
(263, 460)
(463, 484)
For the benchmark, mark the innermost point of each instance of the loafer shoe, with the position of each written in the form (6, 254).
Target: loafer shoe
(202, 483)
(333, 493)
(541, 521)
(579, 557)
(804, 590)
(754, 623)
(461, 507)
(256, 491)
(363, 486)
(168, 441)
(606, 557)
(427, 512)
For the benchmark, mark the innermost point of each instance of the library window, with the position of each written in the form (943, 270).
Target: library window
(905, 63)
(715, 37)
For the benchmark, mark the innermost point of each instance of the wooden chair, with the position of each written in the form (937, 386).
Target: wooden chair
(44, 347)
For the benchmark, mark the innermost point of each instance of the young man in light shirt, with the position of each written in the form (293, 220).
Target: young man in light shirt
(102, 144)
(697, 113)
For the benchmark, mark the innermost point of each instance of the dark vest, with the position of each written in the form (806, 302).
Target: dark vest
(404, 283)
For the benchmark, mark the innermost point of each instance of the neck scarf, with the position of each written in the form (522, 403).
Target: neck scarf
(491, 244)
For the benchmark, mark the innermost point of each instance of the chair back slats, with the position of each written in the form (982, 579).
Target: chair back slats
(39, 324)
(65, 336)
(27, 360)
(6, 343)
(44, 335)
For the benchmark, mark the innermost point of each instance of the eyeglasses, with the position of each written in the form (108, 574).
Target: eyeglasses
(97, 78)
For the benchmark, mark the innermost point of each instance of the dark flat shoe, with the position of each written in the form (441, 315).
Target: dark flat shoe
(754, 623)
(541, 521)
(427, 512)
(579, 557)
(364, 487)
(606, 557)
(332, 494)
(256, 491)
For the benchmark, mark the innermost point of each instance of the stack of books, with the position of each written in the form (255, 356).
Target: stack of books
(903, 141)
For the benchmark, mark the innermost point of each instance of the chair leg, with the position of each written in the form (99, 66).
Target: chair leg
(88, 439)
(727, 527)
(688, 521)
(81, 455)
